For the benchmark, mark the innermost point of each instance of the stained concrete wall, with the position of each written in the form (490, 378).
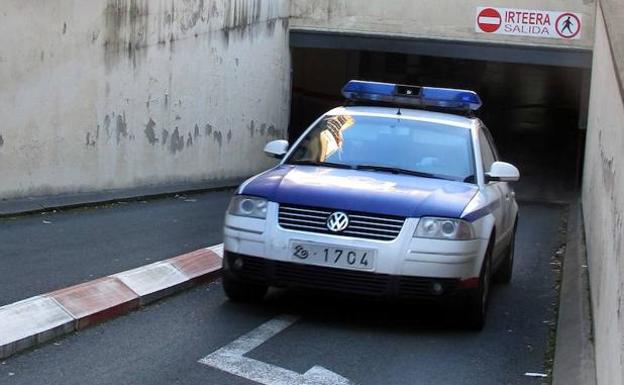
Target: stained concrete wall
(108, 94)
(431, 19)
(603, 193)
(105, 94)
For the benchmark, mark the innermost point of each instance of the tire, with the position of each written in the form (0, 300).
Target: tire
(478, 299)
(238, 291)
(505, 270)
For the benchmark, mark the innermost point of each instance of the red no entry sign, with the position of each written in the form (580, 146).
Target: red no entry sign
(489, 20)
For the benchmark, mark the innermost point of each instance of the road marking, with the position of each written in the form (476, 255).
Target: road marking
(230, 358)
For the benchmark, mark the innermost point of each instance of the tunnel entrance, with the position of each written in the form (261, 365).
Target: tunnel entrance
(534, 111)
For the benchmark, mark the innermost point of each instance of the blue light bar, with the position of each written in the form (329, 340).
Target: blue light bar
(357, 90)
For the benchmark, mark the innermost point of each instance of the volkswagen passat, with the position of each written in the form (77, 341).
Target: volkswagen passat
(400, 193)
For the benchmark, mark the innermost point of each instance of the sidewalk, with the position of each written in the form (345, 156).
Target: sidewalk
(574, 353)
(29, 205)
(46, 252)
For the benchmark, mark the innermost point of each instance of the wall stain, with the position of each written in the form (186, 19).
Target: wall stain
(126, 30)
(265, 130)
(609, 186)
(122, 127)
(150, 133)
(189, 140)
(170, 16)
(214, 11)
(127, 24)
(91, 138)
(252, 128)
(218, 137)
(107, 122)
(608, 171)
(241, 16)
(177, 141)
(274, 132)
(196, 14)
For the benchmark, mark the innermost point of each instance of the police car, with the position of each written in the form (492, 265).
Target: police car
(398, 194)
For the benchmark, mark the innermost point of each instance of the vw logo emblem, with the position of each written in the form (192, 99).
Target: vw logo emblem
(337, 222)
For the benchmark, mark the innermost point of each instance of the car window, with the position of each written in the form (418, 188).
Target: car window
(487, 154)
(424, 147)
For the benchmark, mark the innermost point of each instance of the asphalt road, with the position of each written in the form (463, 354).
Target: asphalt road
(368, 343)
(41, 253)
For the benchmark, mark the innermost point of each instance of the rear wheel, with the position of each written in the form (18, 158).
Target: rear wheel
(505, 271)
(478, 299)
(238, 291)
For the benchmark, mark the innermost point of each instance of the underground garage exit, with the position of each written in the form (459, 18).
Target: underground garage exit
(534, 102)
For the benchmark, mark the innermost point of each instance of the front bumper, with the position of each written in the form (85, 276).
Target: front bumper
(405, 256)
(248, 269)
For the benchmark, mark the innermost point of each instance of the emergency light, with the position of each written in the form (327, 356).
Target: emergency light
(357, 90)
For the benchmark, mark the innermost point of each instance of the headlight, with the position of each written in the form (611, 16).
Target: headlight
(444, 228)
(248, 207)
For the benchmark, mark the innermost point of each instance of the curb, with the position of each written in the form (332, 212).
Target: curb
(33, 321)
(34, 205)
(574, 351)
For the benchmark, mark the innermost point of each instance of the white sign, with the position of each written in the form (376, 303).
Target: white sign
(231, 359)
(524, 22)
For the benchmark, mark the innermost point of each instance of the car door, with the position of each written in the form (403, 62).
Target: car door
(495, 191)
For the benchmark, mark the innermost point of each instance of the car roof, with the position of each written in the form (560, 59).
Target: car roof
(411, 114)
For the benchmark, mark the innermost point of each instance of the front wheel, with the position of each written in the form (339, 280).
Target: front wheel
(478, 299)
(238, 291)
(505, 271)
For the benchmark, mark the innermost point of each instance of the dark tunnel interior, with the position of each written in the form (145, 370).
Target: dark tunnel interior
(534, 112)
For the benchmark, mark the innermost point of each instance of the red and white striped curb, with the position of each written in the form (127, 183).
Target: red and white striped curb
(35, 320)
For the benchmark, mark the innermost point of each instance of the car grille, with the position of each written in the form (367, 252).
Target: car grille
(288, 274)
(369, 226)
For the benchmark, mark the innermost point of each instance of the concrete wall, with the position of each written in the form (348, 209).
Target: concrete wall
(603, 196)
(431, 19)
(106, 94)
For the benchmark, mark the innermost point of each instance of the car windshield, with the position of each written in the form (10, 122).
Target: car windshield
(383, 144)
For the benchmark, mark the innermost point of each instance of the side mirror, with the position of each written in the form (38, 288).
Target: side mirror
(276, 149)
(502, 172)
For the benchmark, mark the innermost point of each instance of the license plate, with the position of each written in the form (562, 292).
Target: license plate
(323, 255)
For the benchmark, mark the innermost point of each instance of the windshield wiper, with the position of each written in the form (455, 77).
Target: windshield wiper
(396, 170)
(323, 164)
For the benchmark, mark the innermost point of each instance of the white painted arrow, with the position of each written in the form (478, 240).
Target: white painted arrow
(230, 358)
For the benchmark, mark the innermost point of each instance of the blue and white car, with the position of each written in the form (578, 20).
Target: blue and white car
(400, 193)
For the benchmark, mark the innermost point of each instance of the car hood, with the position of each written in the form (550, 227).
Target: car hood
(361, 191)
